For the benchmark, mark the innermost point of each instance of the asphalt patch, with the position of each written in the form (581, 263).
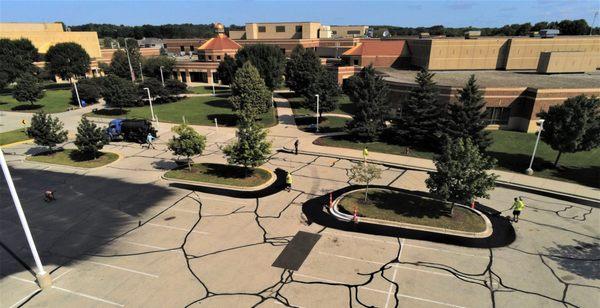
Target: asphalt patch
(294, 254)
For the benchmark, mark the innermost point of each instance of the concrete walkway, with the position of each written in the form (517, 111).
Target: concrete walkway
(287, 128)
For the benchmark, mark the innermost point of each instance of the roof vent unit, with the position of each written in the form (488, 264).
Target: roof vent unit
(472, 34)
(424, 35)
(549, 33)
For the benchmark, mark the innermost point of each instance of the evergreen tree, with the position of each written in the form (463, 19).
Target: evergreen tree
(302, 69)
(268, 60)
(89, 91)
(188, 143)
(466, 117)
(46, 130)
(119, 64)
(573, 126)
(369, 93)
(152, 66)
(227, 69)
(158, 93)
(67, 60)
(251, 148)
(119, 92)
(326, 86)
(90, 138)
(419, 120)
(28, 89)
(249, 92)
(175, 86)
(461, 174)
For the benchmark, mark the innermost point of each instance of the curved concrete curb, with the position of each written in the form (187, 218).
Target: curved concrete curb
(348, 218)
(119, 157)
(226, 187)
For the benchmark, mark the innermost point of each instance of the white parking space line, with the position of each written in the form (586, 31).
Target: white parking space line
(448, 251)
(148, 246)
(333, 281)
(88, 296)
(175, 228)
(387, 300)
(64, 273)
(17, 304)
(23, 280)
(124, 269)
(358, 237)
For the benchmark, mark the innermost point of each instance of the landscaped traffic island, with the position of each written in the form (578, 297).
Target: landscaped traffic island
(74, 158)
(391, 207)
(221, 175)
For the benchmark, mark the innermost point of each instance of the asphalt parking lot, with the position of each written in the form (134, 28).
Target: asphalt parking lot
(120, 236)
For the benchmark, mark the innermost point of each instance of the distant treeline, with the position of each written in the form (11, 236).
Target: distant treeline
(566, 27)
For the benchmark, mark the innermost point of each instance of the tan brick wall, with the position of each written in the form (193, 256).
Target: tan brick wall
(568, 62)
(525, 53)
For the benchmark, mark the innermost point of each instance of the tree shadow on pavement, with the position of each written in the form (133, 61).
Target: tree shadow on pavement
(581, 259)
(88, 212)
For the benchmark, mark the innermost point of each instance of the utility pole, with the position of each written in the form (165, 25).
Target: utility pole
(529, 171)
(77, 94)
(162, 78)
(43, 278)
(141, 72)
(129, 61)
(150, 101)
(593, 22)
(317, 95)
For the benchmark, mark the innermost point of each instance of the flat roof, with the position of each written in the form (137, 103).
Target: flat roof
(501, 79)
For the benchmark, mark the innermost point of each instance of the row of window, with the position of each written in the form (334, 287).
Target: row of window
(278, 29)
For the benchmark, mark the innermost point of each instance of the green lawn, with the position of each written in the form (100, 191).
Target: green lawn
(345, 105)
(513, 152)
(326, 124)
(396, 206)
(13, 136)
(54, 101)
(207, 90)
(73, 158)
(221, 174)
(197, 111)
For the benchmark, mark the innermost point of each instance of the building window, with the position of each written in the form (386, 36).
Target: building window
(355, 61)
(334, 32)
(181, 48)
(497, 115)
(282, 50)
(191, 48)
(165, 46)
(262, 29)
(353, 32)
(209, 58)
(218, 57)
(298, 28)
(279, 28)
(201, 57)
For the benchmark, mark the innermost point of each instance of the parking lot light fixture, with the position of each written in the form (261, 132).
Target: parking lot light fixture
(150, 101)
(540, 123)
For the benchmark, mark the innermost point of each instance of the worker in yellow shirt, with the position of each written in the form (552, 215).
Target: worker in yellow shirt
(517, 207)
(288, 181)
(365, 154)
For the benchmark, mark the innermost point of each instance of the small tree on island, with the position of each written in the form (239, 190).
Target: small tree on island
(46, 130)
(28, 89)
(188, 143)
(249, 92)
(364, 173)
(251, 148)
(573, 126)
(90, 138)
(369, 93)
(466, 117)
(461, 174)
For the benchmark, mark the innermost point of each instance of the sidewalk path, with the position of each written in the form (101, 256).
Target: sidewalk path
(287, 128)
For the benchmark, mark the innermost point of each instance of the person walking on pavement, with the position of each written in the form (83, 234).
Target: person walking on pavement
(149, 139)
(296, 144)
(365, 154)
(49, 196)
(288, 181)
(517, 207)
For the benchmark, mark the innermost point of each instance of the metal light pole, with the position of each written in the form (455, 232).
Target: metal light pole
(129, 61)
(43, 277)
(150, 100)
(213, 88)
(77, 94)
(141, 72)
(162, 78)
(317, 95)
(529, 171)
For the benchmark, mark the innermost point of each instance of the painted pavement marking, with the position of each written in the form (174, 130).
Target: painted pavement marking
(175, 228)
(124, 269)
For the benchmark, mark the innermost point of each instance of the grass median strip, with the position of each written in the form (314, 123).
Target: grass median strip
(221, 174)
(69, 157)
(400, 207)
(52, 102)
(13, 136)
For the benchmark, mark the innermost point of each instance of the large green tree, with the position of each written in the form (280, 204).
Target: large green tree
(90, 138)
(369, 93)
(251, 148)
(119, 92)
(188, 143)
(418, 121)
(325, 85)
(89, 91)
(46, 130)
(158, 93)
(28, 89)
(227, 69)
(249, 92)
(466, 117)
(152, 66)
(16, 60)
(67, 60)
(573, 126)
(268, 60)
(461, 172)
(119, 64)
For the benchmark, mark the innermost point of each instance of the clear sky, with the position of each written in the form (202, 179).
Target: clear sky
(450, 13)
